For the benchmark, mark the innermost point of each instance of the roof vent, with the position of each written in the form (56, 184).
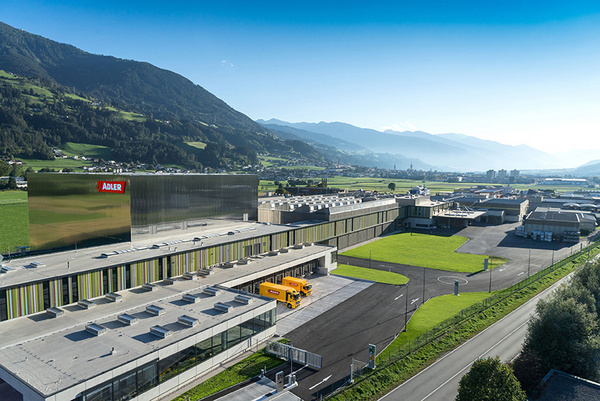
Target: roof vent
(85, 304)
(127, 319)
(190, 298)
(96, 329)
(114, 297)
(149, 287)
(211, 291)
(221, 307)
(155, 310)
(37, 264)
(54, 311)
(188, 321)
(160, 331)
(6, 269)
(243, 299)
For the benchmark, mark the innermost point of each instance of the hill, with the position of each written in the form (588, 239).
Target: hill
(143, 113)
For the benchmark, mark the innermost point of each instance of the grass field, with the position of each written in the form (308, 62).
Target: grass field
(434, 312)
(57, 164)
(14, 220)
(370, 274)
(432, 251)
(87, 150)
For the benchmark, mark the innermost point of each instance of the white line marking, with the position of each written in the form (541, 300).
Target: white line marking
(398, 297)
(414, 300)
(321, 382)
(471, 363)
(520, 273)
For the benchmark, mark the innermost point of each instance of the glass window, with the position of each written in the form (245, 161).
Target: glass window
(167, 367)
(233, 336)
(246, 330)
(146, 377)
(204, 349)
(125, 388)
(104, 393)
(219, 342)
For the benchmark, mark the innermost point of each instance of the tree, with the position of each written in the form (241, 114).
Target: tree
(564, 335)
(490, 379)
(392, 186)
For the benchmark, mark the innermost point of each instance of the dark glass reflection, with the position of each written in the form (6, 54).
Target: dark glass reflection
(68, 209)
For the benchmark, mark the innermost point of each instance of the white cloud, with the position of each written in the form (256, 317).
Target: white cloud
(405, 126)
(227, 63)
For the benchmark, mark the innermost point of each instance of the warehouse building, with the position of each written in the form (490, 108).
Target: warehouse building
(551, 224)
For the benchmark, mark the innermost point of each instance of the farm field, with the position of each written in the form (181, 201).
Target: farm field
(431, 251)
(87, 150)
(370, 274)
(14, 220)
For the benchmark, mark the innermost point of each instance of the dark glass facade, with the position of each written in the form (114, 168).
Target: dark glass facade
(68, 210)
(135, 382)
(161, 204)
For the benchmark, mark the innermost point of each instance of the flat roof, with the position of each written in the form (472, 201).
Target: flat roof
(40, 350)
(53, 354)
(67, 263)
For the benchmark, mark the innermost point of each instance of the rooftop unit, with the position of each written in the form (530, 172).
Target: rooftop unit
(127, 319)
(96, 329)
(155, 310)
(188, 321)
(160, 331)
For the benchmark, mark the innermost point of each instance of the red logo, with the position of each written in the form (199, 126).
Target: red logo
(115, 187)
(274, 292)
(293, 284)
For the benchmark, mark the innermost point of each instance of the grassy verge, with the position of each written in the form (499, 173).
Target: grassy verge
(370, 274)
(393, 369)
(432, 251)
(14, 220)
(434, 312)
(244, 370)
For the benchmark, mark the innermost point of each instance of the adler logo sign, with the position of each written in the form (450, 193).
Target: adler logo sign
(274, 292)
(115, 187)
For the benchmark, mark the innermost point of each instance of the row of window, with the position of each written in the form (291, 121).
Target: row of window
(133, 383)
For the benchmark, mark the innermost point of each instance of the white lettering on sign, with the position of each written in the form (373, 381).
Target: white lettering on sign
(111, 187)
(274, 292)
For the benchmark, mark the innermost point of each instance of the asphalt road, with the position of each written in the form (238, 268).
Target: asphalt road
(439, 382)
(377, 314)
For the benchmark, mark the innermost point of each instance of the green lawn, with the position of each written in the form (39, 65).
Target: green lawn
(432, 251)
(302, 167)
(14, 220)
(87, 150)
(126, 115)
(56, 164)
(435, 311)
(241, 371)
(370, 274)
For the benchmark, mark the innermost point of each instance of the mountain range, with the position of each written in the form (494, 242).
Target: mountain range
(444, 151)
(56, 93)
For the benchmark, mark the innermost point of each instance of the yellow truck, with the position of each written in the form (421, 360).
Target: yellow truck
(299, 284)
(288, 295)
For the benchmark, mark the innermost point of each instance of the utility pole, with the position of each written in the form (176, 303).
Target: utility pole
(490, 290)
(424, 270)
(529, 264)
(406, 310)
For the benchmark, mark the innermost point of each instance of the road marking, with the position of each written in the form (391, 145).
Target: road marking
(501, 270)
(539, 296)
(414, 300)
(479, 357)
(321, 382)
(398, 297)
(520, 274)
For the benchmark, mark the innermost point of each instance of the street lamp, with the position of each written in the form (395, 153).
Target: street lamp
(529, 264)
(406, 309)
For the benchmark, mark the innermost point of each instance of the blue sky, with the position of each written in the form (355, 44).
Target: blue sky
(518, 72)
